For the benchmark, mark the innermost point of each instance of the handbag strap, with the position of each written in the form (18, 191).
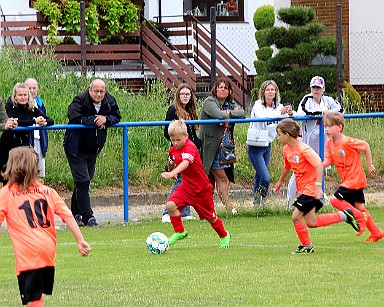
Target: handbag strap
(226, 125)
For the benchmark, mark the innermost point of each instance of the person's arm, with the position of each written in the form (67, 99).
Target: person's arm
(212, 109)
(279, 183)
(173, 174)
(236, 111)
(368, 159)
(319, 181)
(82, 245)
(113, 116)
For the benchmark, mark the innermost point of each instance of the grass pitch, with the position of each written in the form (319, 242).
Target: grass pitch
(257, 270)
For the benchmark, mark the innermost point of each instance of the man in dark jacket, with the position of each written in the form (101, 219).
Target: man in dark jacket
(94, 107)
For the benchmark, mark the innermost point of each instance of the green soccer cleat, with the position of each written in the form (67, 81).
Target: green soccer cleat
(177, 236)
(224, 242)
(351, 219)
(304, 249)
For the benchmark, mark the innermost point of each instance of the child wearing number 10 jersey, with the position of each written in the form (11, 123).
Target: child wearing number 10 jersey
(29, 208)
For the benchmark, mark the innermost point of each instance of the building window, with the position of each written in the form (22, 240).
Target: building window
(226, 10)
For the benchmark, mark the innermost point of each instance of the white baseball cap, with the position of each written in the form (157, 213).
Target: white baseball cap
(317, 81)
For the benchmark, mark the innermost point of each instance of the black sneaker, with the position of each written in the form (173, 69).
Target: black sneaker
(79, 220)
(351, 220)
(301, 249)
(92, 222)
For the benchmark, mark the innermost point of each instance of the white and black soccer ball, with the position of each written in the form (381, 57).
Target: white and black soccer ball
(157, 243)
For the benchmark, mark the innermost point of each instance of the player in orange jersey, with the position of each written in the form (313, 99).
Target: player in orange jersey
(308, 170)
(29, 208)
(344, 152)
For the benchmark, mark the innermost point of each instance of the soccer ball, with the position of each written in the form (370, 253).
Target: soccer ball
(157, 243)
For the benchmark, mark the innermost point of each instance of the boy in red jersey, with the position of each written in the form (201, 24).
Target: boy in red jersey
(344, 152)
(29, 208)
(307, 167)
(195, 190)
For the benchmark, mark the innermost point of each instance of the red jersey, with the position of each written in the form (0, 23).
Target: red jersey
(194, 177)
(344, 154)
(31, 224)
(303, 160)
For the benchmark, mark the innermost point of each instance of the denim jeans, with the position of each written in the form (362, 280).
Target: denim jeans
(259, 157)
(187, 209)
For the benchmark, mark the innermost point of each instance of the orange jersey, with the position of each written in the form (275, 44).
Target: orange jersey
(303, 160)
(31, 224)
(344, 154)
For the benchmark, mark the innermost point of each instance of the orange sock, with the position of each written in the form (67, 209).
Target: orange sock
(38, 303)
(218, 226)
(371, 225)
(342, 205)
(302, 233)
(328, 219)
(177, 223)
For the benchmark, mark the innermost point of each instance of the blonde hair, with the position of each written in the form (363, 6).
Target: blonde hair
(287, 125)
(333, 118)
(22, 168)
(177, 127)
(31, 103)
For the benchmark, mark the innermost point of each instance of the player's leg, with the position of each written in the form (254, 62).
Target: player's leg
(175, 216)
(376, 232)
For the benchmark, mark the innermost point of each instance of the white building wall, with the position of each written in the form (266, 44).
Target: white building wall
(366, 42)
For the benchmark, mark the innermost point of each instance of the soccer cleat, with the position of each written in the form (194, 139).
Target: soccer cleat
(351, 220)
(375, 237)
(92, 222)
(79, 220)
(165, 218)
(177, 236)
(301, 249)
(224, 242)
(362, 223)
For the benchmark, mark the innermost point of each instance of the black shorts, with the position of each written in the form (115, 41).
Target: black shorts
(350, 196)
(305, 203)
(33, 283)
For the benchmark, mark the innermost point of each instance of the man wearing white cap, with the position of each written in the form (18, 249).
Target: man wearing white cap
(313, 104)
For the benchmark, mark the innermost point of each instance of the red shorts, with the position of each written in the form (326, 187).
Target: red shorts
(202, 201)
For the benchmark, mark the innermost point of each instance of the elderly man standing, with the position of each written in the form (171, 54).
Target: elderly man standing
(93, 107)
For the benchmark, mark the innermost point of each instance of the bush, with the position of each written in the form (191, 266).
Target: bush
(351, 99)
(264, 37)
(296, 15)
(264, 17)
(264, 53)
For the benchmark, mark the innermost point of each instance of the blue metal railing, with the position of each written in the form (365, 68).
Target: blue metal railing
(126, 125)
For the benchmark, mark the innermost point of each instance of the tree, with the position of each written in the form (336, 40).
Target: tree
(298, 53)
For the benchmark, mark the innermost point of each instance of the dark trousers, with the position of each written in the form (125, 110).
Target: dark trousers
(82, 169)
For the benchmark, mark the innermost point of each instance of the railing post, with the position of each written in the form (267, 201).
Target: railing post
(82, 39)
(213, 45)
(125, 170)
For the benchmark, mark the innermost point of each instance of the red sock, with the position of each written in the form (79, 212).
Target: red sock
(328, 219)
(38, 303)
(302, 233)
(177, 223)
(371, 225)
(218, 226)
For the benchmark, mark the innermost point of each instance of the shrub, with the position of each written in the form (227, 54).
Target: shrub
(264, 53)
(351, 99)
(264, 37)
(264, 17)
(296, 15)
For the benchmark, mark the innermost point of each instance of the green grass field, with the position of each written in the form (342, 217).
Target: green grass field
(257, 270)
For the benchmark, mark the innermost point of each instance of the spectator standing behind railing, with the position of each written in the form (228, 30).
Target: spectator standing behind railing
(313, 104)
(183, 107)
(93, 107)
(218, 105)
(267, 106)
(21, 107)
(5, 122)
(40, 142)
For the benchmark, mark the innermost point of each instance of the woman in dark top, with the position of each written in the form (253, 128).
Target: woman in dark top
(183, 107)
(21, 107)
